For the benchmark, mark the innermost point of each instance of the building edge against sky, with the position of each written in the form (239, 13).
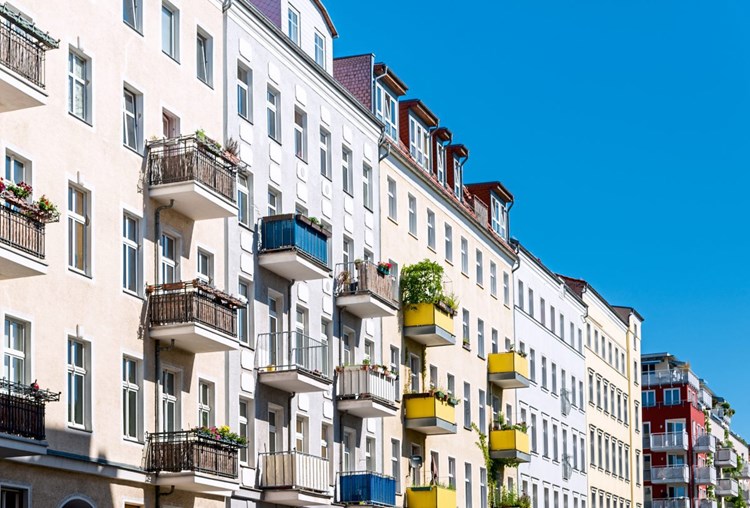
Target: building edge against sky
(253, 281)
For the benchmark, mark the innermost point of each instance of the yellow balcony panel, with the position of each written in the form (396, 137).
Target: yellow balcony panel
(431, 496)
(428, 324)
(428, 415)
(509, 444)
(508, 370)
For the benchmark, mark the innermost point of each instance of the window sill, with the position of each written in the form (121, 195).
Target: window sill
(245, 118)
(133, 441)
(278, 142)
(413, 236)
(174, 59)
(77, 428)
(301, 159)
(393, 220)
(209, 85)
(450, 262)
(465, 274)
(78, 272)
(133, 294)
(432, 249)
(245, 226)
(481, 357)
(493, 296)
(82, 120)
(480, 286)
(131, 149)
(135, 29)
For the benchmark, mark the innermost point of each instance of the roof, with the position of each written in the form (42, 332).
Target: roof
(444, 133)
(546, 270)
(500, 189)
(422, 111)
(580, 286)
(390, 78)
(626, 311)
(326, 18)
(354, 73)
(459, 149)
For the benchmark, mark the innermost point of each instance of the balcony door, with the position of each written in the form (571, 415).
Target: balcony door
(676, 492)
(274, 327)
(675, 460)
(675, 426)
(170, 401)
(415, 366)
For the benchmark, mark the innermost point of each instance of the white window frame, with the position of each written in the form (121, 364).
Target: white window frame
(136, 8)
(499, 217)
(170, 400)
(131, 115)
(464, 256)
(367, 199)
(243, 428)
(75, 219)
(386, 110)
(273, 108)
(479, 267)
(13, 327)
(205, 403)
(412, 203)
(448, 230)
(325, 153)
(172, 52)
(347, 175)
(131, 386)
(204, 57)
(300, 134)
(431, 229)
(392, 199)
(79, 82)
(166, 262)
(320, 49)
(293, 30)
(244, 203)
(419, 143)
(493, 279)
(131, 253)
(79, 370)
(244, 90)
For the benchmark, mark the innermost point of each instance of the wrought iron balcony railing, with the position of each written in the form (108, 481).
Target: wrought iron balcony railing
(22, 409)
(179, 451)
(23, 46)
(366, 277)
(20, 231)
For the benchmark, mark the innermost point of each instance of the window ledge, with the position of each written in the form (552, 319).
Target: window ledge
(132, 294)
(82, 120)
(78, 272)
(393, 220)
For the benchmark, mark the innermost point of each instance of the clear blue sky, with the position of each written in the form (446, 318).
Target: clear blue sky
(623, 130)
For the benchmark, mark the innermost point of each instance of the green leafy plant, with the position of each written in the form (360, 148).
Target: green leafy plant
(222, 434)
(510, 498)
(422, 282)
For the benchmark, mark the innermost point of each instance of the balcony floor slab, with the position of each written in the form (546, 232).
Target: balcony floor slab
(194, 200)
(195, 337)
(198, 482)
(15, 264)
(16, 446)
(295, 497)
(294, 381)
(366, 407)
(292, 265)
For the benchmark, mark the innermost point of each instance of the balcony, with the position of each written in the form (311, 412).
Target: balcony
(429, 324)
(21, 240)
(22, 414)
(366, 489)
(669, 442)
(508, 370)
(670, 474)
(510, 444)
(198, 317)
(725, 457)
(366, 290)
(705, 443)
(193, 462)
(431, 496)
(430, 414)
(197, 176)
(722, 414)
(292, 362)
(293, 247)
(670, 377)
(705, 399)
(294, 479)
(367, 391)
(727, 487)
(744, 472)
(22, 53)
(671, 502)
(704, 475)
(705, 503)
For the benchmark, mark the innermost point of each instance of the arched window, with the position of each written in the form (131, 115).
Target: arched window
(77, 503)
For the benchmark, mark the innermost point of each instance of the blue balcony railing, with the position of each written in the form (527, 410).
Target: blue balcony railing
(367, 488)
(295, 231)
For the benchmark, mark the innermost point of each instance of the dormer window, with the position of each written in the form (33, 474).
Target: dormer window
(386, 110)
(457, 178)
(440, 162)
(499, 218)
(320, 50)
(293, 25)
(419, 142)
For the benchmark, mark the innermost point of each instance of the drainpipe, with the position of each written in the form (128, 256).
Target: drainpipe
(289, 287)
(516, 266)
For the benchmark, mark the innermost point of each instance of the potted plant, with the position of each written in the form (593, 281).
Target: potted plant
(384, 268)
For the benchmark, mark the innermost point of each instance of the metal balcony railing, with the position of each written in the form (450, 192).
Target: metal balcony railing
(669, 377)
(285, 351)
(193, 302)
(179, 451)
(705, 398)
(293, 470)
(189, 158)
(22, 411)
(726, 487)
(23, 46)
(367, 381)
(704, 475)
(722, 414)
(704, 442)
(670, 474)
(21, 232)
(366, 277)
(294, 232)
(671, 502)
(366, 488)
(669, 440)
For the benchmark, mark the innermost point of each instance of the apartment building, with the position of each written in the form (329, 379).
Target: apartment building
(612, 341)
(305, 247)
(549, 324)
(691, 457)
(446, 343)
(117, 319)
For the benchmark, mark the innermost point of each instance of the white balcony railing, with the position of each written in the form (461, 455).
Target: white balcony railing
(285, 351)
(670, 474)
(669, 441)
(705, 443)
(294, 470)
(725, 457)
(675, 502)
(705, 398)
(367, 380)
(705, 503)
(670, 377)
(726, 487)
(704, 475)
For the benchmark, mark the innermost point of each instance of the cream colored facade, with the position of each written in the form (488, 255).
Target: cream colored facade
(83, 304)
(612, 414)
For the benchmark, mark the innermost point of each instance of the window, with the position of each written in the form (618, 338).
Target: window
(648, 398)
(293, 25)
(131, 393)
(131, 13)
(300, 434)
(204, 57)
(346, 171)
(170, 411)
(131, 249)
(275, 423)
(467, 471)
(545, 438)
(392, 197)
(440, 163)
(532, 364)
(452, 473)
(552, 318)
(554, 377)
(320, 50)
(205, 266)
(300, 134)
(349, 450)
(386, 111)
(451, 384)
(562, 326)
(244, 92)
(205, 404)
(244, 212)
(480, 267)
(169, 31)
(544, 372)
(493, 279)
(396, 462)
(244, 428)
(457, 179)
(555, 456)
(483, 487)
(325, 433)
(467, 406)
(448, 243)
(243, 315)
(14, 351)
(16, 170)
(599, 393)
(592, 445)
(412, 215)
(79, 87)
(531, 302)
(79, 229)
(499, 217)
(347, 250)
(274, 202)
(671, 396)
(464, 256)
(325, 153)
(431, 229)
(367, 186)
(506, 288)
(131, 133)
(272, 114)
(78, 383)
(419, 141)
(533, 433)
(466, 328)
(370, 454)
(583, 453)
(480, 338)
(168, 269)
(482, 411)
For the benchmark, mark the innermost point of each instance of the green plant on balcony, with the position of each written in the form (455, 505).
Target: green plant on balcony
(221, 434)
(17, 196)
(512, 349)
(496, 469)
(711, 493)
(707, 417)
(736, 501)
(211, 144)
(422, 282)
(511, 498)
(501, 424)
